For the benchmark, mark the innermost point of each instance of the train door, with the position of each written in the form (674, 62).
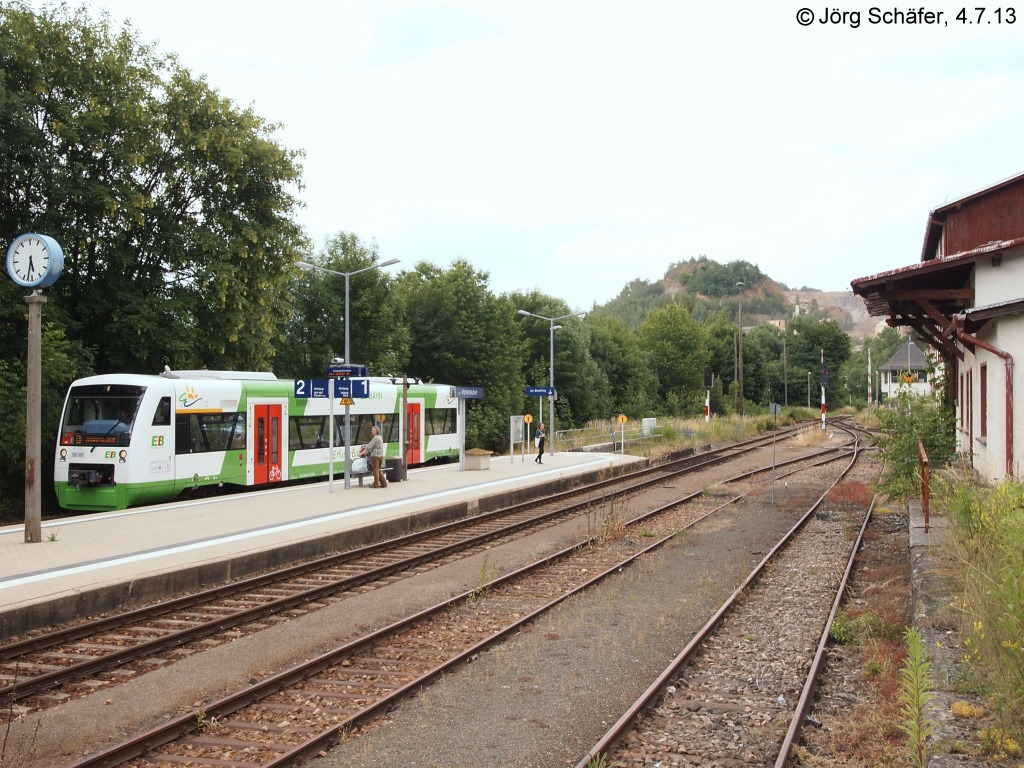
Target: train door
(414, 418)
(267, 438)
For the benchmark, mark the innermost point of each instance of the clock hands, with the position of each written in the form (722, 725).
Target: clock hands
(30, 268)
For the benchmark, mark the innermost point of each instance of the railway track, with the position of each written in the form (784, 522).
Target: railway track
(46, 669)
(297, 713)
(770, 636)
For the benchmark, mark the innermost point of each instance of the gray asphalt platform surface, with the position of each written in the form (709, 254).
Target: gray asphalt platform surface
(91, 563)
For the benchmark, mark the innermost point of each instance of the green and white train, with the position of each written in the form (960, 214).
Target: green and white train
(130, 439)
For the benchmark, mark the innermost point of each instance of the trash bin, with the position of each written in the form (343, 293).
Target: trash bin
(393, 470)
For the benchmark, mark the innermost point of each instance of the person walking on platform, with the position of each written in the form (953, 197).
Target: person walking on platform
(541, 438)
(375, 450)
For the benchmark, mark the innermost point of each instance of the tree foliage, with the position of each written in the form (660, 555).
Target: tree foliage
(461, 333)
(174, 208)
(314, 332)
(710, 278)
(907, 420)
(677, 351)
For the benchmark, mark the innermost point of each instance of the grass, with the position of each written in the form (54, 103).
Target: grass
(988, 548)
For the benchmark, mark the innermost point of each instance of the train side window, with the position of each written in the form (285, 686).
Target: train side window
(308, 432)
(389, 428)
(237, 441)
(182, 444)
(440, 421)
(162, 417)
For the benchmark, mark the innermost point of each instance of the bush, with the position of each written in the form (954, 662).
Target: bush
(907, 420)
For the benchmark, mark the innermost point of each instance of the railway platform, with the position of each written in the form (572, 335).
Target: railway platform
(91, 563)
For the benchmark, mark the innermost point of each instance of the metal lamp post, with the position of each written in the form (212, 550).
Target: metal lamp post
(785, 373)
(348, 359)
(739, 323)
(808, 389)
(551, 398)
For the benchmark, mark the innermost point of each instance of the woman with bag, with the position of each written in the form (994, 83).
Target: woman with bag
(375, 449)
(541, 436)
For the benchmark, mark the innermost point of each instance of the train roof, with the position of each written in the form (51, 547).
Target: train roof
(167, 373)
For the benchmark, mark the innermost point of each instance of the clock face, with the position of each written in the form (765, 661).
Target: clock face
(34, 260)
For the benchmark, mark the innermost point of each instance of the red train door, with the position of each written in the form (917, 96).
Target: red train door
(267, 444)
(414, 418)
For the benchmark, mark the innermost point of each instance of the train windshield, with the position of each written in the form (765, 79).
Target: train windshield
(100, 414)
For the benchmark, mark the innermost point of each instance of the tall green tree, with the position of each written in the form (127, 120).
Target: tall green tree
(174, 208)
(616, 351)
(462, 334)
(582, 386)
(676, 347)
(315, 328)
(813, 338)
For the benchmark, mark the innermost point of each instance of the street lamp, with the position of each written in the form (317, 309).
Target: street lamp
(808, 389)
(348, 358)
(739, 322)
(551, 397)
(785, 373)
(346, 275)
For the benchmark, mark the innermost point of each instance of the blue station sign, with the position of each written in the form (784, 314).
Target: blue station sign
(350, 388)
(469, 393)
(540, 391)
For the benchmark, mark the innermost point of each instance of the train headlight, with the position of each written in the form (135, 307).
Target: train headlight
(123, 456)
(63, 454)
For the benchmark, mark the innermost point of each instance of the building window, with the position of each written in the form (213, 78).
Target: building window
(960, 398)
(983, 401)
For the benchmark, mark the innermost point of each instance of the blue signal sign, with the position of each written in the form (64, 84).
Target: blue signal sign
(350, 388)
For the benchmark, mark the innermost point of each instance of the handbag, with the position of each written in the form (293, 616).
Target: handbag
(360, 466)
(536, 441)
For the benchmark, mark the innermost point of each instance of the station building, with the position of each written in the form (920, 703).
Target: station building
(965, 298)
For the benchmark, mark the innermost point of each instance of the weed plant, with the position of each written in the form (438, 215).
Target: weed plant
(989, 546)
(915, 694)
(906, 421)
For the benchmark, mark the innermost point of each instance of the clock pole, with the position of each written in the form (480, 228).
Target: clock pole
(33, 420)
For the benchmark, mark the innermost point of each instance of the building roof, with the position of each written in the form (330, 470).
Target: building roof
(926, 296)
(909, 357)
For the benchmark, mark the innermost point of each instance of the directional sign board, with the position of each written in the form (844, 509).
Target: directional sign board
(540, 391)
(344, 388)
(343, 370)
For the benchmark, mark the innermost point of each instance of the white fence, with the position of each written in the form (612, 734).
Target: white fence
(607, 438)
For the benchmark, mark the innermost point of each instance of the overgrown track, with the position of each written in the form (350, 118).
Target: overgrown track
(46, 669)
(295, 714)
(770, 636)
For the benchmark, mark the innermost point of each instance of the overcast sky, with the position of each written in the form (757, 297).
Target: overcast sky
(574, 146)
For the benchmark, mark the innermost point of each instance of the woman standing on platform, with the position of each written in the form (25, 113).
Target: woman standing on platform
(375, 449)
(541, 438)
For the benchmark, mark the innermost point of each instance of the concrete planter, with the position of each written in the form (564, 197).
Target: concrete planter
(478, 458)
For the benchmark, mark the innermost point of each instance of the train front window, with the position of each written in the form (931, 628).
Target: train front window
(100, 414)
